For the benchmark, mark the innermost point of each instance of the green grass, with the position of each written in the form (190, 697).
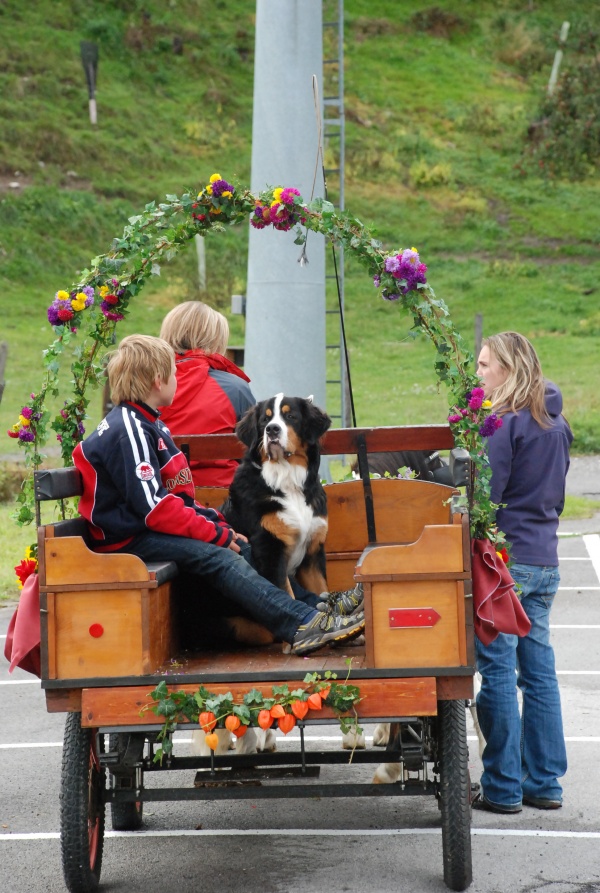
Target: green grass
(578, 508)
(434, 133)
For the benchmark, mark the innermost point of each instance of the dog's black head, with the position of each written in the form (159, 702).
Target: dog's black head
(282, 427)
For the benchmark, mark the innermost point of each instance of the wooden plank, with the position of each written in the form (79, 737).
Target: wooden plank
(402, 509)
(116, 650)
(379, 698)
(454, 688)
(435, 646)
(437, 550)
(68, 560)
(336, 441)
(63, 700)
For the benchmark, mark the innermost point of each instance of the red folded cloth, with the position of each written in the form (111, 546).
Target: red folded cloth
(496, 606)
(22, 646)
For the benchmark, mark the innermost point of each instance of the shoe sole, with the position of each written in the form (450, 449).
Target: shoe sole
(547, 804)
(342, 636)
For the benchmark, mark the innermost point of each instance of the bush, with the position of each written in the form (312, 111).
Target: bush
(12, 475)
(564, 140)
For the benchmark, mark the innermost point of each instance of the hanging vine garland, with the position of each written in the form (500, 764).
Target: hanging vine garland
(101, 298)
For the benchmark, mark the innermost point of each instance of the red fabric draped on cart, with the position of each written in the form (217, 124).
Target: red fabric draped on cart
(22, 646)
(496, 606)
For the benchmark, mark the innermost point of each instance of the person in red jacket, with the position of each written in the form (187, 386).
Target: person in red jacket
(212, 392)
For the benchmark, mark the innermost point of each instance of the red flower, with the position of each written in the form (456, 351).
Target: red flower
(12, 433)
(503, 555)
(27, 567)
(65, 315)
(111, 299)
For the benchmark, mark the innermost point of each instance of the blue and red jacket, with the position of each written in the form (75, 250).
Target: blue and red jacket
(135, 480)
(212, 396)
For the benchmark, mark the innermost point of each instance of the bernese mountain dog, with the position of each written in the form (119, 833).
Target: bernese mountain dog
(276, 498)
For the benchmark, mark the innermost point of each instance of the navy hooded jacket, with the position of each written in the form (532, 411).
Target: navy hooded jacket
(529, 466)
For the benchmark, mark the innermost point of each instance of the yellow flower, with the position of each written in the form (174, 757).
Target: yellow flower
(209, 190)
(104, 290)
(414, 249)
(62, 295)
(215, 177)
(227, 194)
(29, 552)
(78, 302)
(215, 211)
(23, 422)
(277, 194)
(487, 404)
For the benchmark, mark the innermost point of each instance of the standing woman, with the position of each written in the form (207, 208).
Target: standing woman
(212, 392)
(529, 456)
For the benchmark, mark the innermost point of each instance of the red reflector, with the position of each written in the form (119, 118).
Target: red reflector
(407, 618)
(96, 630)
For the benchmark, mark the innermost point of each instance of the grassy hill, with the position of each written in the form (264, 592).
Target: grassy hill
(438, 101)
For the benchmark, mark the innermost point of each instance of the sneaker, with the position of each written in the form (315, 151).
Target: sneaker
(326, 629)
(346, 604)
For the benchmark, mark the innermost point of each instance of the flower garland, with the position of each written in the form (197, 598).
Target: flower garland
(284, 708)
(102, 296)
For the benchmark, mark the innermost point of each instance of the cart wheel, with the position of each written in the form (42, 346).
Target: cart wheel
(455, 794)
(125, 816)
(81, 806)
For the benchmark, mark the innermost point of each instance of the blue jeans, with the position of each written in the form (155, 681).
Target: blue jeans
(232, 575)
(524, 755)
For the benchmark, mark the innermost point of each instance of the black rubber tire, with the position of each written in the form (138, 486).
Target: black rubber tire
(82, 807)
(455, 794)
(124, 816)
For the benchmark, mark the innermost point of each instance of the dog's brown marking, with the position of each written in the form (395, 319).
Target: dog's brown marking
(273, 523)
(285, 408)
(317, 539)
(248, 632)
(311, 579)
(268, 412)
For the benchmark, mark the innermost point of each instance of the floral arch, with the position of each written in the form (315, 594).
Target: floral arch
(93, 307)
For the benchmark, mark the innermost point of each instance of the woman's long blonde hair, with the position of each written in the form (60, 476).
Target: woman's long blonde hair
(524, 387)
(195, 326)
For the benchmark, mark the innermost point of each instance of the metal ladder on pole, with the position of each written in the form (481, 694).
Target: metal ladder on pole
(333, 148)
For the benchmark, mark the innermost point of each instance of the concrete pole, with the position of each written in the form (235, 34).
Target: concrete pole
(285, 310)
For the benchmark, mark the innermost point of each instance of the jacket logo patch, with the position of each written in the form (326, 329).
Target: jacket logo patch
(161, 444)
(144, 471)
(182, 479)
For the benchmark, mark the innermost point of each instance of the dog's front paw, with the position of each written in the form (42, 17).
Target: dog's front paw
(352, 741)
(381, 735)
(387, 773)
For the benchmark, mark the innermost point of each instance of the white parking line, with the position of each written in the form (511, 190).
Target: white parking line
(313, 832)
(592, 544)
(579, 588)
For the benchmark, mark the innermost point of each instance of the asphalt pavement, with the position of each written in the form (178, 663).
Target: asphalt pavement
(382, 845)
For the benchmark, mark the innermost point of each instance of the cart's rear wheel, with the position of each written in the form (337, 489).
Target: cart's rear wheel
(126, 816)
(81, 807)
(455, 794)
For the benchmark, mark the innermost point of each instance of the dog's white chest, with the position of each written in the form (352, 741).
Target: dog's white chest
(295, 514)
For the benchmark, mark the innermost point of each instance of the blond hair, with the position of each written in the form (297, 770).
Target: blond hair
(524, 386)
(136, 364)
(195, 326)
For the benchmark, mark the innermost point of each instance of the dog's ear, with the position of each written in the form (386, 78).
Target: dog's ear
(247, 428)
(317, 421)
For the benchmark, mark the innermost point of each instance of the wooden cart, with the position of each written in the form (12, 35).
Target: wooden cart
(110, 634)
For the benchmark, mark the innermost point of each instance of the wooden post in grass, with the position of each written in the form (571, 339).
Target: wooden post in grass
(89, 58)
(478, 334)
(3, 355)
(564, 31)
